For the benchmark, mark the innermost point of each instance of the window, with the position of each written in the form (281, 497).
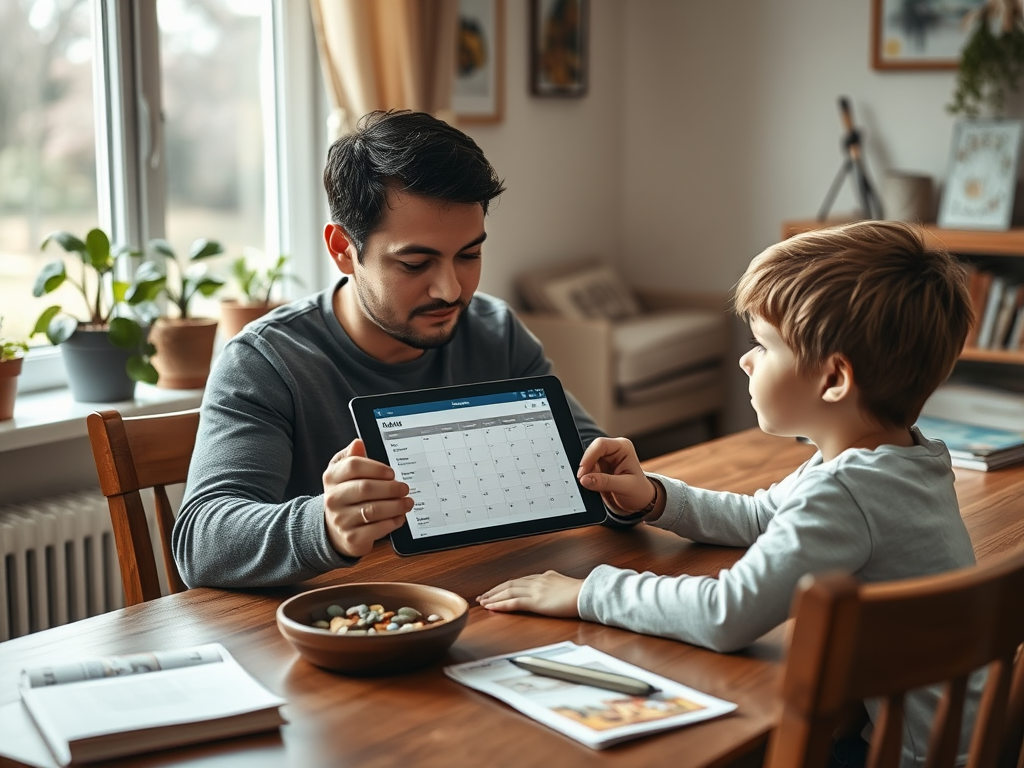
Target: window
(156, 118)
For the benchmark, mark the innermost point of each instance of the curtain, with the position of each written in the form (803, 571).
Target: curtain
(385, 54)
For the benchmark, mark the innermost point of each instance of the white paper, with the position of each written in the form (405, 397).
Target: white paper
(593, 716)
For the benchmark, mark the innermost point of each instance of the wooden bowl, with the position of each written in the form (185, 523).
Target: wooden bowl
(384, 652)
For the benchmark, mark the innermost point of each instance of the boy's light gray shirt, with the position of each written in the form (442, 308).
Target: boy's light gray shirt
(883, 514)
(275, 411)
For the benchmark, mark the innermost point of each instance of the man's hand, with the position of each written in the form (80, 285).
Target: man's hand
(362, 501)
(550, 594)
(611, 467)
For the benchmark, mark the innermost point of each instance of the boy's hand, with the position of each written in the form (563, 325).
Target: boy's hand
(362, 500)
(610, 466)
(550, 594)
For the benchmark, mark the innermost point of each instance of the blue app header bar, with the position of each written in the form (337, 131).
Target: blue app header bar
(451, 405)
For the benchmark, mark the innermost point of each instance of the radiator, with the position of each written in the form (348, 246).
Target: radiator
(59, 562)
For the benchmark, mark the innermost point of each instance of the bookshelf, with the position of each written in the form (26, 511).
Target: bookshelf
(988, 248)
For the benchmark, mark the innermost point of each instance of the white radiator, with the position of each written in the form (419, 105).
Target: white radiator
(59, 562)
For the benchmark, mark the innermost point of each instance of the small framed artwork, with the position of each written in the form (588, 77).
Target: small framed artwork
(924, 34)
(558, 47)
(982, 175)
(478, 94)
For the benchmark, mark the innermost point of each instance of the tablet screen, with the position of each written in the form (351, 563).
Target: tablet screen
(482, 462)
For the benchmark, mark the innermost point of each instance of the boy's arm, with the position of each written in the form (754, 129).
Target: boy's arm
(719, 517)
(815, 533)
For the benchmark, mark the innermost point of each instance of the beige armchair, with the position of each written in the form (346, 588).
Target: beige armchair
(638, 359)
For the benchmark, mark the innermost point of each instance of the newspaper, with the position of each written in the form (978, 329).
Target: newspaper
(593, 716)
(115, 666)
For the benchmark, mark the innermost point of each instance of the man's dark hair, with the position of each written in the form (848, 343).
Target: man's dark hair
(408, 152)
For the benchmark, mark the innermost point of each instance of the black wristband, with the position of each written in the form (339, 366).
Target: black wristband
(640, 513)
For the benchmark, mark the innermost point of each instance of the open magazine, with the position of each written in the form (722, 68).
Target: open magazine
(593, 716)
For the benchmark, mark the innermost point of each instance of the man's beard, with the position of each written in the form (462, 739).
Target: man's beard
(403, 332)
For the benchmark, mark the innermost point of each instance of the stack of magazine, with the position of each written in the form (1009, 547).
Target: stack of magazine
(975, 447)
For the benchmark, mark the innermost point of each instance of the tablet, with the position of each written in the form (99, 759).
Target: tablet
(483, 462)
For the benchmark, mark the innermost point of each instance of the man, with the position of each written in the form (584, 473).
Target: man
(279, 488)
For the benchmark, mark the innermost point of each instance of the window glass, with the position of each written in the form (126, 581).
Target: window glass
(47, 149)
(215, 71)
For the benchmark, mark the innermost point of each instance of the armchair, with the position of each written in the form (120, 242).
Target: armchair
(638, 359)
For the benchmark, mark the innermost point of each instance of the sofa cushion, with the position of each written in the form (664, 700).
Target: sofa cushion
(652, 348)
(586, 291)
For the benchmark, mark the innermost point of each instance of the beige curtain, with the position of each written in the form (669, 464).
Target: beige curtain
(385, 54)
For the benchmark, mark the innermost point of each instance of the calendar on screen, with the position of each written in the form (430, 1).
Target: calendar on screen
(482, 461)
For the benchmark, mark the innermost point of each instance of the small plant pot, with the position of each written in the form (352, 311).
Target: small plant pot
(97, 370)
(9, 372)
(184, 350)
(234, 315)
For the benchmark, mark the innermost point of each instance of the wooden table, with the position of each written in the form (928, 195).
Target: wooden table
(423, 718)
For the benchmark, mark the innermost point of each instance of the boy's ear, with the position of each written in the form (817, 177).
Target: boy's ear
(340, 246)
(837, 379)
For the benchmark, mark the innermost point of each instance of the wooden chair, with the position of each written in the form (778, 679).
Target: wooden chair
(853, 642)
(131, 454)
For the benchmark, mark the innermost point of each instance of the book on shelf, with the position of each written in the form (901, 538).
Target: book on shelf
(974, 447)
(978, 284)
(593, 716)
(993, 301)
(110, 707)
(977, 404)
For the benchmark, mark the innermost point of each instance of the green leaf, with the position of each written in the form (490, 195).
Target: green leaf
(124, 333)
(67, 241)
(98, 246)
(60, 328)
(209, 285)
(140, 369)
(119, 288)
(145, 290)
(204, 249)
(49, 278)
(162, 247)
(44, 320)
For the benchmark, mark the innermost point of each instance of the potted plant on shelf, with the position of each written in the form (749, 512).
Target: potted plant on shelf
(184, 344)
(11, 354)
(992, 60)
(256, 286)
(107, 353)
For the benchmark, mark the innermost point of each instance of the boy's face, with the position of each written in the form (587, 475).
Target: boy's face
(782, 398)
(419, 271)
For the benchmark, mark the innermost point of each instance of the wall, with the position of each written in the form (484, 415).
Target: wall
(731, 125)
(560, 158)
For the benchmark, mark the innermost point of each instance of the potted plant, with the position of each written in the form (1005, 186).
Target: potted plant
(184, 344)
(992, 60)
(11, 354)
(256, 286)
(107, 353)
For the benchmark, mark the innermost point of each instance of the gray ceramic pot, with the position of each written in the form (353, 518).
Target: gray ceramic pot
(96, 368)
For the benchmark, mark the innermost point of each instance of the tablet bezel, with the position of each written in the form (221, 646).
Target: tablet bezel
(362, 409)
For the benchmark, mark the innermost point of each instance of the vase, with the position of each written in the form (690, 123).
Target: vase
(9, 372)
(184, 350)
(97, 370)
(234, 315)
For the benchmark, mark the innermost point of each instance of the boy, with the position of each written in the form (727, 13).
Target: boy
(853, 328)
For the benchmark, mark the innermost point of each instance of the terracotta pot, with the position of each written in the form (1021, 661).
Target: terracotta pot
(234, 315)
(184, 349)
(97, 370)
(9, 372)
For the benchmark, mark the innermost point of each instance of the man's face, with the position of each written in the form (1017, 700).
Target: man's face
(418, 272)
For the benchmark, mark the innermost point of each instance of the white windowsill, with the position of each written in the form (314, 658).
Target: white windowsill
(52, 415)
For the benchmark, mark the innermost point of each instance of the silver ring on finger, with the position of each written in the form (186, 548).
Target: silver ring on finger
(362, 513)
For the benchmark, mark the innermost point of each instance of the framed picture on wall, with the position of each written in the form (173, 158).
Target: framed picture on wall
(558, 47)
(923, 34)
(478, 94)
(982, 175)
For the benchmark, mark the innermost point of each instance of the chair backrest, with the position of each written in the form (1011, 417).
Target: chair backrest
(132, 454)
(853, 642)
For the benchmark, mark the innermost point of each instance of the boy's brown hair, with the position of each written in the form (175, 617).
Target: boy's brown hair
(874, 292)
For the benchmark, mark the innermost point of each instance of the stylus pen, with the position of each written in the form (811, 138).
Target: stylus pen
(573, 674)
